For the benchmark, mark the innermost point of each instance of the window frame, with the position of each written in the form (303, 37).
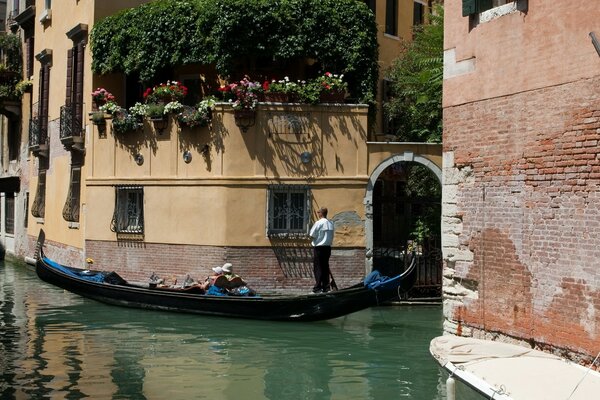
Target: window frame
(288, 216)
(391, 17)
(129, 202)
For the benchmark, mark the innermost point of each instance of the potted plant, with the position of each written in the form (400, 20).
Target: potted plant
(281, 91)
(124, 122)
(166, 92)
(243, 96)
(23, 86)
(98, 118)
(129, 120)
(155, 112)
(100, 97)
(333, 88)
(200, 115)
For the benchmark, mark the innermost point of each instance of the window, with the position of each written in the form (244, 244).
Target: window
(26, 208)
(473, 7)
(372, 5)
(71, 207)
(288, 209)
(128, 216)
(418, 13)
(9, 214)
(391, 17)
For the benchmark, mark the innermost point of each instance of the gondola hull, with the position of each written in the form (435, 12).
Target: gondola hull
(309, 307)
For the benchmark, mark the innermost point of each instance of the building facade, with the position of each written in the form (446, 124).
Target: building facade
(175, 201)
(521, 173)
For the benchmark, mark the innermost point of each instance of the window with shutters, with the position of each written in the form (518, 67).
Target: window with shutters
(288, 209)
(9, 213)
(26, 208)
(391, 17)
(45, 58)
(128, 217)
(72, 111)
(71, 207)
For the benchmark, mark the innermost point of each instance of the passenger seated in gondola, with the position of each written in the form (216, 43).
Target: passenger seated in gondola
(233, 280)
(235, 284)
(215, 284)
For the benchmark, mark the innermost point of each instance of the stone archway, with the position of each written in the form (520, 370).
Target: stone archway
(407, 156)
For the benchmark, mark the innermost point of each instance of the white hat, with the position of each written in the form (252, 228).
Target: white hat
(218, 270)
(227, 267)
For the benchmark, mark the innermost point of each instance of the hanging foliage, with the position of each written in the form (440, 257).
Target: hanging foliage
(416, 81)
(340, 34)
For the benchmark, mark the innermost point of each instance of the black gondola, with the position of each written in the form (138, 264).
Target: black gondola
(112, 289)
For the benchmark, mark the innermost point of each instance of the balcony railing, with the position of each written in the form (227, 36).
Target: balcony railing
(70, 127)
(38, 137)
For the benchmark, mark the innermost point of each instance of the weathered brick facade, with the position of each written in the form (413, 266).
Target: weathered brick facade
(526, 182)
(521, 213)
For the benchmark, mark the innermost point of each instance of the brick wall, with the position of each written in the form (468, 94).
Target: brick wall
(263, 268)
(521, 217)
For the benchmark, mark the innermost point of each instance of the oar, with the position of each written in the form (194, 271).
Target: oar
(333, 284)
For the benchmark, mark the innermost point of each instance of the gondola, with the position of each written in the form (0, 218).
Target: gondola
(110, 288)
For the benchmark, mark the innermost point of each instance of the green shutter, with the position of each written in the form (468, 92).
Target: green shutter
(484, 5)
(469, 7)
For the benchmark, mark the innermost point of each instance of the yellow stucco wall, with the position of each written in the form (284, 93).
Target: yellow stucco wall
(220, 197)
(52, 35)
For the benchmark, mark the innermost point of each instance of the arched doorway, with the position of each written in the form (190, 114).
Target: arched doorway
(403, 215)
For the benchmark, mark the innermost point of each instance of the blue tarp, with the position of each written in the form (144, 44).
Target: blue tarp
(92, 276)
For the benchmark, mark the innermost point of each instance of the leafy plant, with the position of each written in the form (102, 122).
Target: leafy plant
(282, 86)
(155, 111)
(125, 122)
(101, 96)
(10, 47)
(340, 35)
(98, 117)
(110, 107)
(330, 83)
(416, 104)
(139, 111)
(173, 107)
(243, 94)
(170, 91)
(23, 86)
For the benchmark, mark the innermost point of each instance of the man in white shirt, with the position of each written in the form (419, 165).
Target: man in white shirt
(322, 235)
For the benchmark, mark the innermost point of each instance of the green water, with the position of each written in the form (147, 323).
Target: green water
(54, 344)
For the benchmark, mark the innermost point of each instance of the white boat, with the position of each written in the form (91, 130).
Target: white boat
(503, 371)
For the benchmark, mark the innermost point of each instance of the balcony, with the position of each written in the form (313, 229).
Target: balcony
(24, 17)
(38, 137)
(71, 130)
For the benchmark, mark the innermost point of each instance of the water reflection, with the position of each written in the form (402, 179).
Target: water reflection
(57, 345)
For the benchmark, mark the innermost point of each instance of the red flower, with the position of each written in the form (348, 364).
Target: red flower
(265, 86)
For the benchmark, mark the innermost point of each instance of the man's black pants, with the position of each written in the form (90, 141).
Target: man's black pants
(321, 267)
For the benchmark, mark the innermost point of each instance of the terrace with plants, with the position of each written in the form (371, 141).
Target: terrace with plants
(295, 45)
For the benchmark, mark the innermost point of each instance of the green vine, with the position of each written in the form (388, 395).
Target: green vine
(340, 34)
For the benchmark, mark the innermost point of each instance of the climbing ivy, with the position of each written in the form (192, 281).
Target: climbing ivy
(340, 34)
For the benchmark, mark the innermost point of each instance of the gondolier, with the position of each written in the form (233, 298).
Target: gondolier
(322, 233)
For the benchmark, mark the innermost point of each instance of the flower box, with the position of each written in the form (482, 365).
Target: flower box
(277, 97)
(332, 97)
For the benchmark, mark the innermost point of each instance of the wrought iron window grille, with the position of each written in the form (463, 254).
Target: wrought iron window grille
(128, 218)
(288, 211)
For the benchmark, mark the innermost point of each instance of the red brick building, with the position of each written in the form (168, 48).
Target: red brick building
(521, 202)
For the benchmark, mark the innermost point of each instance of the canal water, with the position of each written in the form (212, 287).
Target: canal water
(57, 345)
